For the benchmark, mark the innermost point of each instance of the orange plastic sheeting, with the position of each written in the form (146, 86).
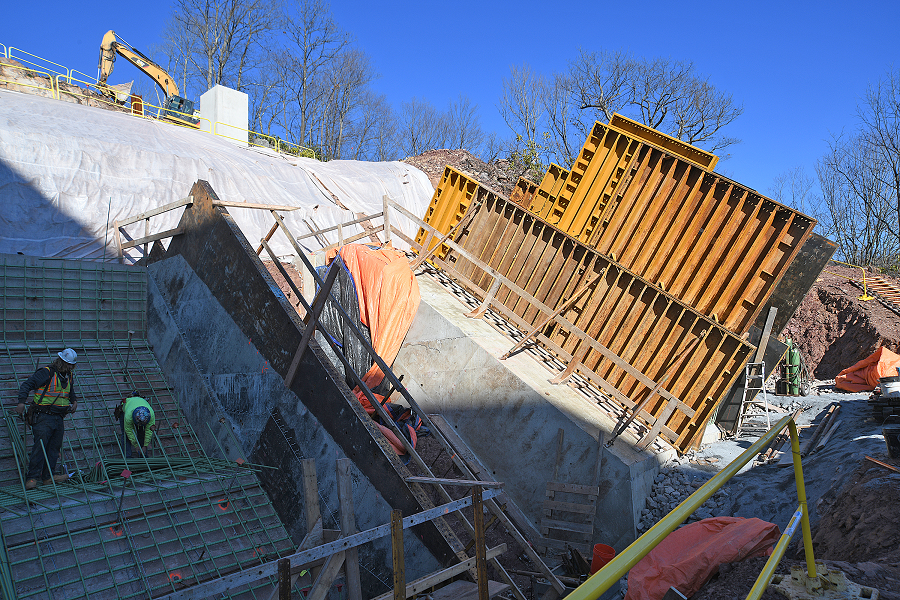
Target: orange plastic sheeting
(864, 375)
(388, 298)
(689, 556)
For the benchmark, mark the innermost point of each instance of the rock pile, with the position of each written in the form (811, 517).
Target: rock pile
(672, 486)
(499, 175)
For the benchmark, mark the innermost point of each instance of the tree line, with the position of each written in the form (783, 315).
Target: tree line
(310, 84)
(855, 192)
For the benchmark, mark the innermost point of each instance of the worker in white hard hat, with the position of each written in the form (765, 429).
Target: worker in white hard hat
(53, 397)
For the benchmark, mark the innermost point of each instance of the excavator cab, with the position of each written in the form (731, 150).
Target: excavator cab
(181, 110)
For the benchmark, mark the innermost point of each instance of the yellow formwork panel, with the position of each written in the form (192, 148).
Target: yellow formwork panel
(653, 204)
(449, 203)
(702, 158)
(548, 191)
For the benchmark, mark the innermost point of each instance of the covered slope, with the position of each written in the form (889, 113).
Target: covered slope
(74, 169)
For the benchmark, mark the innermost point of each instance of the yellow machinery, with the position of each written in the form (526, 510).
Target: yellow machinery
(176, 109)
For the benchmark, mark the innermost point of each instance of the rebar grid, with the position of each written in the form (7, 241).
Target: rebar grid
(180, 518)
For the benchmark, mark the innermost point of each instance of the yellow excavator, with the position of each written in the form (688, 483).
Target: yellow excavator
(175, 108)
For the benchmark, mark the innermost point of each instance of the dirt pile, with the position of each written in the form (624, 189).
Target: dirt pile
(499, 175)
(834, 329)
(857, 534)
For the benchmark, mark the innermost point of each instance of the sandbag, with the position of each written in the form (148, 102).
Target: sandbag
(864, 375)
(689, 556)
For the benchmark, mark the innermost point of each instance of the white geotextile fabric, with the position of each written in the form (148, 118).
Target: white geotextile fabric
(65, 169)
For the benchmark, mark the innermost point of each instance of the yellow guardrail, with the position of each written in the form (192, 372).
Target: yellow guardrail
(9, 55)
(33, 73)
(865, 295)
(607, 576)
(68, 76)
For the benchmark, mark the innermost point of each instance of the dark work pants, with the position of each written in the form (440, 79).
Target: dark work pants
(48, 429)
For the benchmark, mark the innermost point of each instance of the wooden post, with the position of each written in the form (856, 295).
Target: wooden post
(118, 241)
(397, 553)
(284, 579)
(348, 527)
(146, 244)
(486, 303)
(480, 550)
(386, 215)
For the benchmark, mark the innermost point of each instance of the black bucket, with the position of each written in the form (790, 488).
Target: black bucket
(892, 438)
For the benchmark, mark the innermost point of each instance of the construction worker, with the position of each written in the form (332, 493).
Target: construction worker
(53, 397)
(137, 420)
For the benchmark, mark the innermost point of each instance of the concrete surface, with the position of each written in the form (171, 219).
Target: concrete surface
(509, 415)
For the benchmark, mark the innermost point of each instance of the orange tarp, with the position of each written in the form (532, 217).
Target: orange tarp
(864, 375)
(689, 556)
(388, 298)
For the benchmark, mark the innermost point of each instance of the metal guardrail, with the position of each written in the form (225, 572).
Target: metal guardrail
(607, 576)
(68, 75)
(865, 297)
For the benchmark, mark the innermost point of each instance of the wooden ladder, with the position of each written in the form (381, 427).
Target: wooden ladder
(569, 509)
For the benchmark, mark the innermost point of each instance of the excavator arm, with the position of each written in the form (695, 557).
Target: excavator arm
(112, 45)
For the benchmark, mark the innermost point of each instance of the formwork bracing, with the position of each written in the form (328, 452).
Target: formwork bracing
(177, 519)
(631, 338)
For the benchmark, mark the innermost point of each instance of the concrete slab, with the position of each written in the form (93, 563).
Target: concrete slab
(509, 415)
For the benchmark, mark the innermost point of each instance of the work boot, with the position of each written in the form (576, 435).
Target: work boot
(31, 484)
(57, 478)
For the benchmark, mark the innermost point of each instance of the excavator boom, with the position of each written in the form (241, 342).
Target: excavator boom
(176, 108)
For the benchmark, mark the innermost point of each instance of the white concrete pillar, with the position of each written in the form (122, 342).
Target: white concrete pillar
(225, 111)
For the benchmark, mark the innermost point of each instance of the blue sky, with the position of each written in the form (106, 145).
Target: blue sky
(799, 68)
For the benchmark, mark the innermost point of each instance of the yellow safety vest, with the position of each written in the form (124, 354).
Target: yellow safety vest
(53, 393)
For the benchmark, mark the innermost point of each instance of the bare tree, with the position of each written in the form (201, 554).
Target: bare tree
(550, 117)
(315, 42)
(464, 126)
(795, 188)
(420, 127)
(217, 39)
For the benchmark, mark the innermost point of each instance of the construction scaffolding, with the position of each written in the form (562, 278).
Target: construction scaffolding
(125, 528)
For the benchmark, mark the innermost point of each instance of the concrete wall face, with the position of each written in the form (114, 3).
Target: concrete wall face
(223, 382)
(512, 426)
(227, 111)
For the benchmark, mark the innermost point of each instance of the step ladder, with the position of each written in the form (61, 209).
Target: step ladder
(754, 394)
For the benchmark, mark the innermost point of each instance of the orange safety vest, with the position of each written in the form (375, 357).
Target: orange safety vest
(53, 393)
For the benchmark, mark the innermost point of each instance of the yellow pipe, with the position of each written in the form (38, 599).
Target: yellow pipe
(603, 579)
(801, 496)
(762, 582)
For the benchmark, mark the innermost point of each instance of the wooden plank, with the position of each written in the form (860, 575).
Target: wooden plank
(465, 482)
(585, 528)
(232, 204)
(326, 576)
(466, 590)
(584, 509)
(156, 211)
(152, 238)
(399, 562)
(312, 321)
(348, 527)
(423, 584)
(572, 488)
(883, 464)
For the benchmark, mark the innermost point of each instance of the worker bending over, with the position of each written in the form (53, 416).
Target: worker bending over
(53, 397)
(137, 421)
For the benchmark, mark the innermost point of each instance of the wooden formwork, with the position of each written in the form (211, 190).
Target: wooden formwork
(716, 245)
(623, 332)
